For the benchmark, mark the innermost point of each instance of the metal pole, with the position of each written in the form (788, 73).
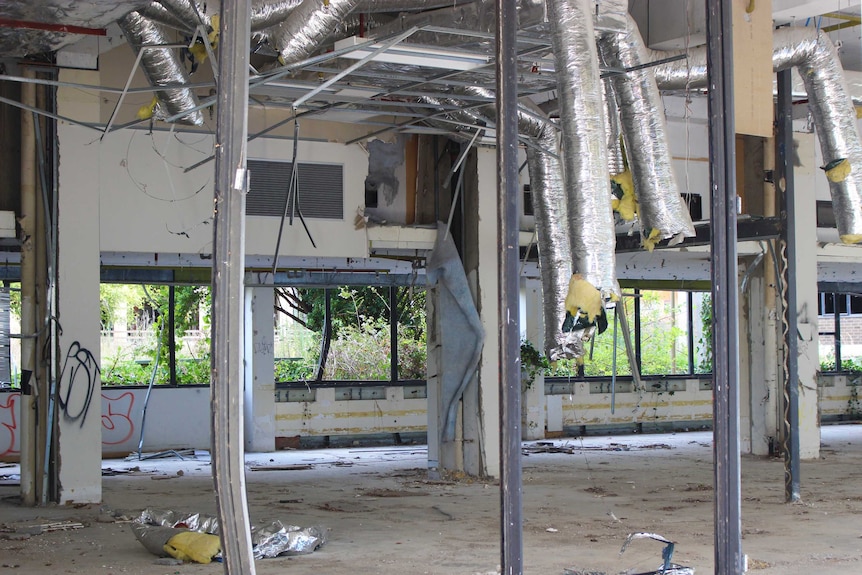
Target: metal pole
(172, 336)
(393, 334)
(784, 166)
(231, 182)
(837, 330)
(725, 301)
(508, 314)
(29, 307)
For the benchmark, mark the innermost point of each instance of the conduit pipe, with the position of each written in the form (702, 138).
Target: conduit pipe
(584, 159)
(161, 66)
(813, 54)
(661, 210)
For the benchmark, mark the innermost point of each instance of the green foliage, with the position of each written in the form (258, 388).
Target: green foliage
(852, 365)
(705, 341)
(360, 343)
(533, 363)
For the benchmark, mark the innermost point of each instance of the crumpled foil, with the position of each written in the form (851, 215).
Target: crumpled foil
(155, 527)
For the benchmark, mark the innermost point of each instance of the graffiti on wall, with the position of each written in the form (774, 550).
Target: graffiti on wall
(78, 380)
(8, 424)
(117, 424)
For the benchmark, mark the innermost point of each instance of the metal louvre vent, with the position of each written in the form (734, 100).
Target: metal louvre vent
(321, 189)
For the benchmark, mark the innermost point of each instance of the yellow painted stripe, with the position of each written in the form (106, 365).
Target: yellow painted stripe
(349, 414)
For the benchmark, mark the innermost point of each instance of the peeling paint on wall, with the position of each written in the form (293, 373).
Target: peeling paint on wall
(384, 158)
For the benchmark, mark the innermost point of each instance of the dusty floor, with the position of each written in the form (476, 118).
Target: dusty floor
(386, 517)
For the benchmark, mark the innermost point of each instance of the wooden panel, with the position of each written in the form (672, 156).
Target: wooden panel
(752, 67)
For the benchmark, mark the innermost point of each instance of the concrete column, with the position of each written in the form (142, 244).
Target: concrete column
(485, 273)
(807, 177)
(259, 404)
(79, 421)
(532, 322)
(434, 349)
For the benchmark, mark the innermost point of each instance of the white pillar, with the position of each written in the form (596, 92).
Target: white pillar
(488, 302)
(79, 421)
(807, 178)
(259, 369)
(532, 326)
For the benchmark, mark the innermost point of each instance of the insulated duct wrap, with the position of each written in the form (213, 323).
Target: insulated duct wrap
(555, 251)
(266, 13)
(15, 42)
(585, 165)
(661, 210)
(814, 56)
(158, 13)
(186, 11)
(551, 214)
(307, 27)
(161, 66)
(616, 163)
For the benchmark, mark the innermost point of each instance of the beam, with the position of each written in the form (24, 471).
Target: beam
(227, 390)
(725, 300)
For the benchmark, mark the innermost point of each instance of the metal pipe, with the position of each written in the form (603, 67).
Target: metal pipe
(728, 528)
(29, 311)
(784, 165)
(511, 528)
(837, 331)
(393, 334)
(231, 185)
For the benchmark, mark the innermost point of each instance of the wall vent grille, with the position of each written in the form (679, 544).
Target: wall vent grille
(321, 189)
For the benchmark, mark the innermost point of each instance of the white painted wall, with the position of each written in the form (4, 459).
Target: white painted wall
(149, 204)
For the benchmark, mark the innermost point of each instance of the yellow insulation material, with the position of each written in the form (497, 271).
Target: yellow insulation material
(146, 111)
(652, 239)
(583, 299)
(851, 238)
(626, 204)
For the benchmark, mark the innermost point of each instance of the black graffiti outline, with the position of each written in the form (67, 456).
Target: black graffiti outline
(83, 359)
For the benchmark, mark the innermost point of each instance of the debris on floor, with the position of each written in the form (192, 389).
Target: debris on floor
(667, 567)
(569, 448)
(193, 536)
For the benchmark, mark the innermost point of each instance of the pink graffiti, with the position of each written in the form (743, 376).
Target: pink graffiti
(8, 425)
(117, 421)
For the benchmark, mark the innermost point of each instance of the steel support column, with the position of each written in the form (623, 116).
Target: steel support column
(784, 167)
(725, 300)
(508, 314)
(231, 182)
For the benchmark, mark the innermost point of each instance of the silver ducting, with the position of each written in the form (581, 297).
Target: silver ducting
(585, 165)
(156, 12)
(555, 252)
(550, 211)
(186, 11)
(814, 56)
(661, 210)
(266, 13)
(616, 163)
(16, 42)
(161, 66)
(307, 27)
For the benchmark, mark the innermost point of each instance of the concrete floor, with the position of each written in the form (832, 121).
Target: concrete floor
(385, 516)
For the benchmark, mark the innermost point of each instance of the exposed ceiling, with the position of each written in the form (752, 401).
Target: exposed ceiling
(419, 56)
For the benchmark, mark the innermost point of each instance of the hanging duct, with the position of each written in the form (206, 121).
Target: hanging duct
(661, 210)
(161, 66)
(814, 56)
(585, 165)
(156, 12)
(550, 211)
(307, 27)
(186, 11)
